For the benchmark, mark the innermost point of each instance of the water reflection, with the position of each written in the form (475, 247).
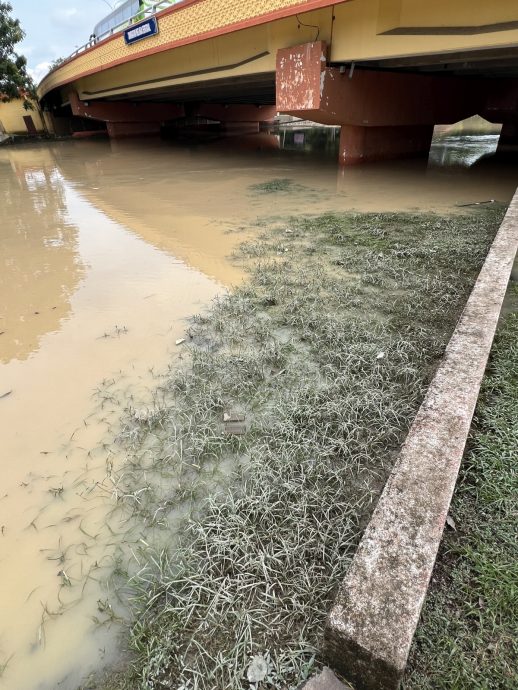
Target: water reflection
(446, 149)
(177, 203)
(463, 150)
(40, 266)
(127, 239)
(125, 304)
(310, 139)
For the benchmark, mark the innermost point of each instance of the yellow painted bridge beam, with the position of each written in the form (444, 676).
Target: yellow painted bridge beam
(195, 35)
(240, 61)
(198, 39)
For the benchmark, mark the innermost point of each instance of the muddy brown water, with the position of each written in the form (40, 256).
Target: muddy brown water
(106, 248)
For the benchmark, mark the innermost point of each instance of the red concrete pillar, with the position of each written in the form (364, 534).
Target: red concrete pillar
(364, 144)
(119, 130)
(126, 119)
(508, 141)
(236, 113)
(382, 114)
(232, 128)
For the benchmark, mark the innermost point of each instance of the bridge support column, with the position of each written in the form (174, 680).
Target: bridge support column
(382, 114)
(124, 118)
(231, 128)
(508, 141)
(119, 130)
(237, 118)
(365, 144)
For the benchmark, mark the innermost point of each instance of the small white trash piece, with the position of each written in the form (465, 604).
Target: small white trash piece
(258, 669)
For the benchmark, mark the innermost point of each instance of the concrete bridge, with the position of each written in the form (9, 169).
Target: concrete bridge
(386, 71)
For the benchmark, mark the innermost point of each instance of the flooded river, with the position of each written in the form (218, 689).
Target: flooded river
(106, 249)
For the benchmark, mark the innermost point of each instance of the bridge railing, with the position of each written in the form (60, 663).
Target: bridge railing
(143, 13)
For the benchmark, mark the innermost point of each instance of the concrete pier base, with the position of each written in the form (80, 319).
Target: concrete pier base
(382, 114)
(119, 130)
(508, 142)
(236, 113)
(232, 128)
(364, 144)
(128, 119)
(371, 625)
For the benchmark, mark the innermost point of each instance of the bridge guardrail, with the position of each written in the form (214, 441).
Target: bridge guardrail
(137, 17)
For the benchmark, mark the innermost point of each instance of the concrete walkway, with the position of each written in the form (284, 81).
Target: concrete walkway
(372, 623)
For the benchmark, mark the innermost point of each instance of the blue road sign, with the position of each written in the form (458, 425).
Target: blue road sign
(144, 29)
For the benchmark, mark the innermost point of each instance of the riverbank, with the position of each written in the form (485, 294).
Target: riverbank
(468, 636)
(270, 446)
(26, 140)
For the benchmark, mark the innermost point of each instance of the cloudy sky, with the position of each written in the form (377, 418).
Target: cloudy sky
(54, 28)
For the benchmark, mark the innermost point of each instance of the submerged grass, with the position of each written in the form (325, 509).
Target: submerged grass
(326, 350)
(468, 636)
(278, 184)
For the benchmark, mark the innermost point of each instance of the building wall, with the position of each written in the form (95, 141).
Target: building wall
(12, 114)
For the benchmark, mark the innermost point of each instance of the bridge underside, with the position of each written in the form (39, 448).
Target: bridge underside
(385, 110)
(243, 100)
(256, 89)
(385, 71)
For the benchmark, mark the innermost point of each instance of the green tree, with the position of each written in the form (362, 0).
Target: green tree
(14, 80)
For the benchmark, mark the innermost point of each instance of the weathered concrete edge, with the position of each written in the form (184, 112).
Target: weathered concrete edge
(325, 680)
(370, 627)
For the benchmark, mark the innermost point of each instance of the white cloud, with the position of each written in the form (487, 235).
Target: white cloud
(38, 72)
(70, 12)
(54, 28)
(68, 16)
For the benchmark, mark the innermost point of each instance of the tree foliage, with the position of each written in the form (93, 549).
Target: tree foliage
(14, 80)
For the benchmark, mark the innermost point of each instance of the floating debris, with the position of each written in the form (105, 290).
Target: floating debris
(233, 417)
(258, 669)
(237, 429)
(234, 423)
(477, 203)
(141, 415)
(451, 523)
(66, 580)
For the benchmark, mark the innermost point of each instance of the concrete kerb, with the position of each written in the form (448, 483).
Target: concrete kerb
(325, 680)
(372, 622)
